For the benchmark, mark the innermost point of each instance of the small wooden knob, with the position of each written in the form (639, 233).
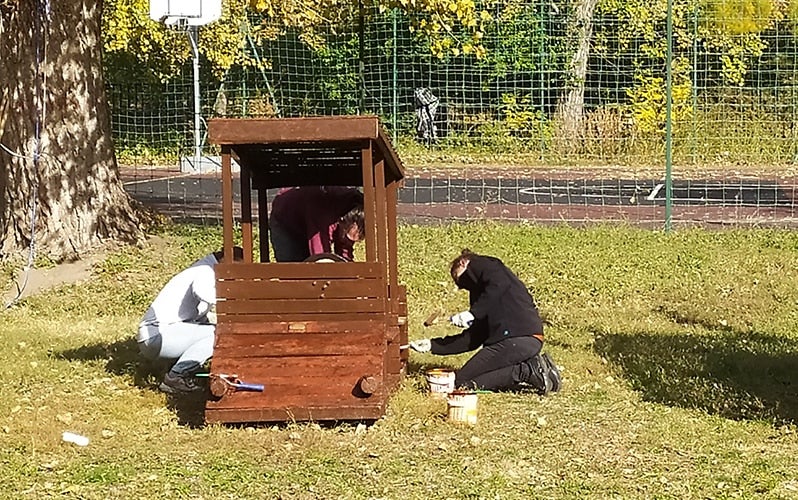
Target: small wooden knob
(218, 387)
(369, 385)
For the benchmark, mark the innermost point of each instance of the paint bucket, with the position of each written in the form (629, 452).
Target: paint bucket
(441, 382)
(463, 407)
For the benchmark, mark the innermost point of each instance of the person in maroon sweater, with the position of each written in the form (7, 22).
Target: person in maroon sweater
(503, 320)
(313, 220)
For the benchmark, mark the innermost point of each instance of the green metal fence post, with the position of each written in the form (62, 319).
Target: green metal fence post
(668, 124)
(395, 79)
(361, 55)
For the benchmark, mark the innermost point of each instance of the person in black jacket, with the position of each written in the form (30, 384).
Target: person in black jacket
(502, 319)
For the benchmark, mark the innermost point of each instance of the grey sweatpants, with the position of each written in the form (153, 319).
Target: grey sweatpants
(191, 344)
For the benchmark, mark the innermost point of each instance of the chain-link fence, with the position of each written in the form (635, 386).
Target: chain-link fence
(570, 114)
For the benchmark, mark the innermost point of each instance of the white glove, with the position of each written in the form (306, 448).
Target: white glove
(463, 319)
(423, 345)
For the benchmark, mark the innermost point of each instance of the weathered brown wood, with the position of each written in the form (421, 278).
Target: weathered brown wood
(322, 338)
(391, 200)
(381, 212)
(292, 344)
(299, 270)
(382, 223)
(246, 214)
(299, 381)
(287, 306)
(300, 317)
(372, 411)
(369, 207)
(343, 325)
(227, 201)
(293, 130)
(314, 368)
(304, 289)
(297, 394)
(298, 397)
(392, 331)
(263, 225)
(328, 164)
(245, 400)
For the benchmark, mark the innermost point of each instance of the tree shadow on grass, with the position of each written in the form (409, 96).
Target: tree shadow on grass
(123, 358)
(737, 375)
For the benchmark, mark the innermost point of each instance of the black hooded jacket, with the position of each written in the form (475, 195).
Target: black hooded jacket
(501, 304)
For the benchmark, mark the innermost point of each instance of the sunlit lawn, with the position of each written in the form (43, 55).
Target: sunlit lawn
(679, 356)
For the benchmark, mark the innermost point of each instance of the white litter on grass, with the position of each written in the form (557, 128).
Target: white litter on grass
(71, 437)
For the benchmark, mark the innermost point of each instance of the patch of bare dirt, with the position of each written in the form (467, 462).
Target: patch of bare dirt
(36, 280)
(32, 281)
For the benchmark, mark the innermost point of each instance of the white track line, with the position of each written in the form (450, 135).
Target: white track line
(179, 176)
(654, 192)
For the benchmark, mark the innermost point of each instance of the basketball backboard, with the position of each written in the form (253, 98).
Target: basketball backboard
(190, 12)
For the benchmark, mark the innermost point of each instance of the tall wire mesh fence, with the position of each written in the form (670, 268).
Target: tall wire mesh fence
(563, 119)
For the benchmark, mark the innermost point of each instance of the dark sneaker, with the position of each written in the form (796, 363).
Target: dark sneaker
(531, 377)
(551, 374)
(174, 383)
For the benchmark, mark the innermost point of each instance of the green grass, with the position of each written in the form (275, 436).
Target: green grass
(679, 355)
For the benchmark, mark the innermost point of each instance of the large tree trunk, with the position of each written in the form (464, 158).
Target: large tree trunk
(571, 105)
(59, 183)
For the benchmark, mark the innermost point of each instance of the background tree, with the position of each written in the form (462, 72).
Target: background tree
(571, 104)
(59, 185)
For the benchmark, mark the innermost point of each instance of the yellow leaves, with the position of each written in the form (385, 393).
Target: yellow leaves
(453, 27)
(743, 16)
(649, 100)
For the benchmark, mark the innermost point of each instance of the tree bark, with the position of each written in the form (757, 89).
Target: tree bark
(571, 106)
(60, 188)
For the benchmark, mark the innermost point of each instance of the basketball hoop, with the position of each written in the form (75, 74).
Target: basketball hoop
(188, 16)
(185, 12)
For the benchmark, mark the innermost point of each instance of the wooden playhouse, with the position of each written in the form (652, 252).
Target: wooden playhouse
(322, 338)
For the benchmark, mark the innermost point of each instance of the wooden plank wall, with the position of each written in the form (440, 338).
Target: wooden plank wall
(309, 339)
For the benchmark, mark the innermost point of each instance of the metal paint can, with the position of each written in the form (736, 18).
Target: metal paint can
(440, 381)
(463, 407)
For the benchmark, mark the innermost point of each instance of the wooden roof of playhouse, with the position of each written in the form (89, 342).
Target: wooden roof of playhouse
(313, 150)
(329, 150)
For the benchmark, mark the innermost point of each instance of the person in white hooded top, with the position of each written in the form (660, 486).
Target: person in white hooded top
(177, 324)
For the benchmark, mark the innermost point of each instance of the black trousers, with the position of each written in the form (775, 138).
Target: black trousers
(500, 365)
